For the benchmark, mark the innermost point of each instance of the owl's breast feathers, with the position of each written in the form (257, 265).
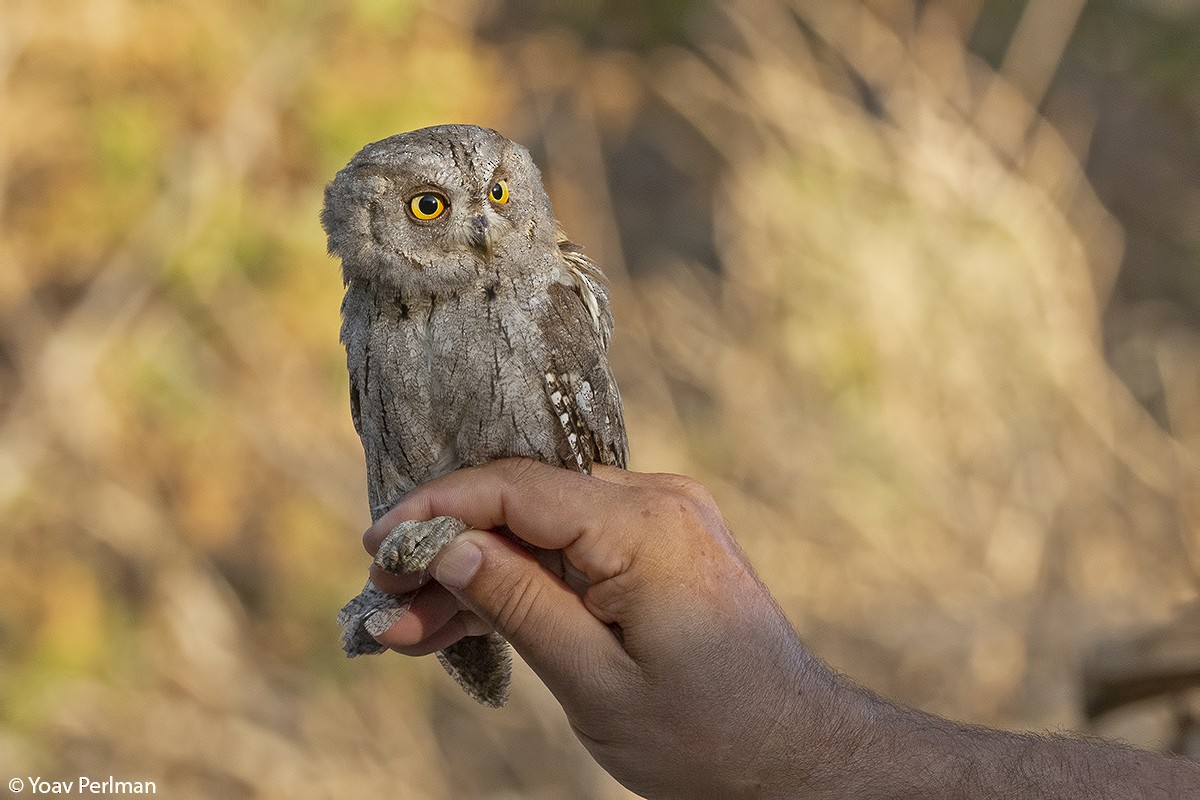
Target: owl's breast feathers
(510, 366)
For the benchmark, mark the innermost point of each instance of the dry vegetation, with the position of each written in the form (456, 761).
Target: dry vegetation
(894, 382)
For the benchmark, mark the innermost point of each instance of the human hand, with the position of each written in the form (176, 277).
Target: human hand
(675, 667)
(678, 671)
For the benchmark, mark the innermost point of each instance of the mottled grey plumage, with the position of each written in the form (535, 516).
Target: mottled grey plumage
(477, 333)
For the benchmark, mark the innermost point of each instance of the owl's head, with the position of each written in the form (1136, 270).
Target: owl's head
(434, 208)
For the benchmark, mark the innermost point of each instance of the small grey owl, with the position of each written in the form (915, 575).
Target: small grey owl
(474, 330)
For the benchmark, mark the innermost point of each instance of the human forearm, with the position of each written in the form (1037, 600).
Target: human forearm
(905, 753)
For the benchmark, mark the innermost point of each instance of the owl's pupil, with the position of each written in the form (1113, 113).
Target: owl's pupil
(497, 192)
(428, 204)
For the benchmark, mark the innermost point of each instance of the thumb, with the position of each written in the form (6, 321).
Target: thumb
(540, 616)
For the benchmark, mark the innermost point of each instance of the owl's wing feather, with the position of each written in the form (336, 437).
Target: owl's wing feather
(579, 383)
(589, 282)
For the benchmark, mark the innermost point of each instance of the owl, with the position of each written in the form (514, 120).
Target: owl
(474, 330)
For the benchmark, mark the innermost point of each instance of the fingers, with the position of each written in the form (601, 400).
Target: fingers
(397, 583)
(464, 623)
(616, 475)
(519, 493)
(624, 477)
(642, 541)
(434, 621)
(543, 505)
(504, 588)
(544, 620)
(597, 520)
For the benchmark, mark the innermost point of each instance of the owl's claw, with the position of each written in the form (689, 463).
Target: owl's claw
(408, 548)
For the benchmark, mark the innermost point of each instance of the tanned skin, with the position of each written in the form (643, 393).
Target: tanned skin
(677, 669)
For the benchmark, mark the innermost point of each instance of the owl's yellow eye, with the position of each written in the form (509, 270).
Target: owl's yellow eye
(427, 206)
(499, 191)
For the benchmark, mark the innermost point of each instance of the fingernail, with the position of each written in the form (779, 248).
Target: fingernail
(457, 564)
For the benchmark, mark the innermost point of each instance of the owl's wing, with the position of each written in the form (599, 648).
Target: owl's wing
(588, 280)
(579, 383)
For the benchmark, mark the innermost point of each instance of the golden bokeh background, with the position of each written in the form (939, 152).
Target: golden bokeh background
(911, 286)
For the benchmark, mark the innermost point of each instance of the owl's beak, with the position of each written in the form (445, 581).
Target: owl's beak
(479, 235)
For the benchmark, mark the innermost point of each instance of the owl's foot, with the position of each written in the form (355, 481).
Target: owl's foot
(412, 545)
(372, 612)
(408, 548)
(480, 664)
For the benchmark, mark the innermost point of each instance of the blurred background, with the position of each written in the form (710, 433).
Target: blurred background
(912, 286)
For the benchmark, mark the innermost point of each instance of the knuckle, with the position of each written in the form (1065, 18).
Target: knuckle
(687, 509)
(684, 497)
(521, 469)
(697, 495)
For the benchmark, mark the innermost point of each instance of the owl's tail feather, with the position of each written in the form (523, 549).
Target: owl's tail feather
(482, 666)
